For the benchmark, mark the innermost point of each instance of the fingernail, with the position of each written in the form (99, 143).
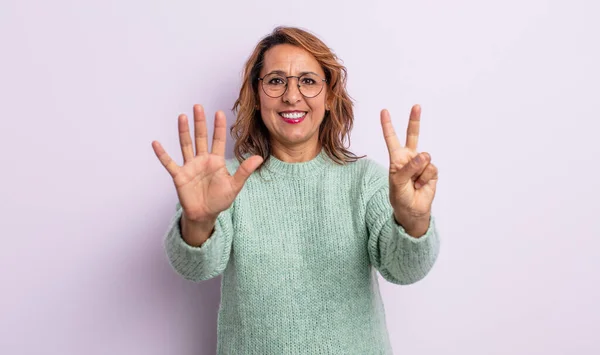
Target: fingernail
(417, 185)
(418, 159)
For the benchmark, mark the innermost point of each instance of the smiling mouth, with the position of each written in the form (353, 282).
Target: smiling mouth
(293, 117)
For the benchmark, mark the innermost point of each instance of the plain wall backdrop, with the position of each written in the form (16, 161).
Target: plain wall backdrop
(510, 115)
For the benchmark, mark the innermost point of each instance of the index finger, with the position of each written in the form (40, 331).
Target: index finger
(412, 131)
(219, 134)
(389, 134)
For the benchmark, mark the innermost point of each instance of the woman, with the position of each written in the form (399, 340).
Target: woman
(300, 226)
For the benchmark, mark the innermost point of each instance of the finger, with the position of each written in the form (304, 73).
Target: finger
(219, 134)
(185, 139)
(433, 183)
(430, 172)
(200, 134)
(165, 159)
(412, 131)
(245, 169)
(389, 134)
(414, 168)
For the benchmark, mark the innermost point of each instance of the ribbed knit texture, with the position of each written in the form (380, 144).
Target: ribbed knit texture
(298, 250)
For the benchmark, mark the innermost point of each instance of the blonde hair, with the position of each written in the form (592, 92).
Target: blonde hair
(250, 133)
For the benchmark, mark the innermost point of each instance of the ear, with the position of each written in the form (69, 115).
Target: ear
(328, 103)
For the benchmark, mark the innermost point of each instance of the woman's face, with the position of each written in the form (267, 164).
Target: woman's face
(292, 120)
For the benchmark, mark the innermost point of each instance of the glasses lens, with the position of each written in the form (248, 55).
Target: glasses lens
(310, 85)
(274, 84)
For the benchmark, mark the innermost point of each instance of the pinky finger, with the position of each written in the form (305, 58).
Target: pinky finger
(431, 184)
(165, 159)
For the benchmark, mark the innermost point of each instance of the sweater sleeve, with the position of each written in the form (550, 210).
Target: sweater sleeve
(399, 258)
(204, 262)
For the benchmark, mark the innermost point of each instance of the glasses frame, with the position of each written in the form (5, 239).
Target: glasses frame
(287, 79)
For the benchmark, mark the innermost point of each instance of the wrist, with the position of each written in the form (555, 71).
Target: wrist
(195, 233)
(198, 223)
(415, 225)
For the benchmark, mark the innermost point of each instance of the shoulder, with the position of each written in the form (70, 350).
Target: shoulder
(368, 169)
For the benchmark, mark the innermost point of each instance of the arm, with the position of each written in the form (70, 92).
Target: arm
(399, 257)
(207, 185)
(198, 263)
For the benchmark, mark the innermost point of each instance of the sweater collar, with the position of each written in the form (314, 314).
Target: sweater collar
(276, 167)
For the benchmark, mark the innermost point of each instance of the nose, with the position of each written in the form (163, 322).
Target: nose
(292, 93)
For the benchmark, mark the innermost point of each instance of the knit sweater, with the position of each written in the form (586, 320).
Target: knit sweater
(298, 250)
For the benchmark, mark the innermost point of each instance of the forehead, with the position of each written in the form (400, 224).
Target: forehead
(291, 60)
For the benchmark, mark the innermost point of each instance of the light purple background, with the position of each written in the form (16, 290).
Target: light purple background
(510, 96)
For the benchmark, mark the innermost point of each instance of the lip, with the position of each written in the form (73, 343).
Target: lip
(293, 120)
(292, 111)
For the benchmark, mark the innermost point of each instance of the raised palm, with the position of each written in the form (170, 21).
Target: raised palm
(204, 186)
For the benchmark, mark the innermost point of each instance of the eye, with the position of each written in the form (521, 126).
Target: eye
(275, 80)
(308, 81)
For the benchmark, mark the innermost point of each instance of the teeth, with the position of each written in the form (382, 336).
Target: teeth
(293, 115)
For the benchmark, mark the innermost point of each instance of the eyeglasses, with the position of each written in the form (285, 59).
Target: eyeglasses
(276, 84)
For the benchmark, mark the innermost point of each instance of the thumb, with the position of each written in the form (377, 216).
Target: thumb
(413, 168)
(246, 169)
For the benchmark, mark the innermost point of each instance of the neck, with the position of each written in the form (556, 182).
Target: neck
(295, 154)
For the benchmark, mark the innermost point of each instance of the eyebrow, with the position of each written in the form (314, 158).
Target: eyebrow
(285, 74)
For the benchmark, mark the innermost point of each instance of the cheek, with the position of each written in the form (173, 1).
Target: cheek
(268, 104)
(318, 107)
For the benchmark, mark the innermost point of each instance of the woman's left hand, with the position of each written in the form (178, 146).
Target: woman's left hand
(413, 177)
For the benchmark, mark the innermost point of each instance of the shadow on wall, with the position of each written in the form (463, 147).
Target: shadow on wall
(139, 297)
(148, 297)
(196, 305)
(192, 308)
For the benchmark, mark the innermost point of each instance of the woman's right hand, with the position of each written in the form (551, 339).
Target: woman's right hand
(204, 186)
